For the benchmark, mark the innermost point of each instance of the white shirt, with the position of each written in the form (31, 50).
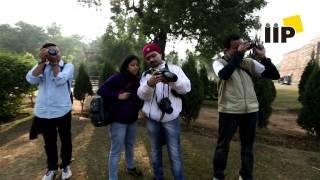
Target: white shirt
(53, 98)
(217, 66)
(146, 93)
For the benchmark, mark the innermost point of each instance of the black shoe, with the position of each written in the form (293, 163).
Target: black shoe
(134, 172)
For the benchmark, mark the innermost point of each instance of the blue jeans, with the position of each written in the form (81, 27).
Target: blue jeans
(170, 132)
(122, 135)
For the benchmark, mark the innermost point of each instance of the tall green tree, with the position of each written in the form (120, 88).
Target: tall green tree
(266, 93)
(205, 80)
(306, 75)
(82, 86)
(309, 115)
(173, 57)
(22, 38)
(192, 100)
(107, 70)
(208, 22)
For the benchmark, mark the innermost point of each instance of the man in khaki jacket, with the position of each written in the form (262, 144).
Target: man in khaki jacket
(237, 102)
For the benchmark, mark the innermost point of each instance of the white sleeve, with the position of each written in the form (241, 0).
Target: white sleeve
(34, 79)
(182, 85)
(145, 92)
(217, 66)
(259, 68)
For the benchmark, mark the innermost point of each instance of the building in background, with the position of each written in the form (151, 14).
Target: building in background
(294, 62)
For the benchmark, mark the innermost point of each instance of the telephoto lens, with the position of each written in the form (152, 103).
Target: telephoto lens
(52, 52)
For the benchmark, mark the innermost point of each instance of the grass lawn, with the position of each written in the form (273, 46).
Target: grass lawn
(287, 98)
(25, 159)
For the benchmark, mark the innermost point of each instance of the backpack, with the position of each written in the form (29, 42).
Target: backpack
(98, 115)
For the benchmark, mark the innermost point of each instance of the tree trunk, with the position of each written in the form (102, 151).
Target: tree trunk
(82, 103)
(161, 40)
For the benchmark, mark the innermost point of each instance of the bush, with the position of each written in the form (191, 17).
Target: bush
(13, 69)
(82, 85)
(266, 93)
(107, 71)
(193, 99)
(309, 115)
(305, 76)
(205, 81)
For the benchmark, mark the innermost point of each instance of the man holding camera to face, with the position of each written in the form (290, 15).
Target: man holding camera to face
(237, 102)
(160, 87)
(53, 107)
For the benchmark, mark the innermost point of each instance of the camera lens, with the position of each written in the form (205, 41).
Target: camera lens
(52, 52)
(169, 76)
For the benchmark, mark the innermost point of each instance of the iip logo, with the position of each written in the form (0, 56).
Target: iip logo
(292, 25)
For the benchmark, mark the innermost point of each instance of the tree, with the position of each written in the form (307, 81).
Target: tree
(205, 81)
(173, 57)
(266, 93)
(192, 100)
(13, 69)
(208, 22)
(82, 86)
(29, 58)
(107, 71)
(22, 38)
(309, 115)
(306, 75)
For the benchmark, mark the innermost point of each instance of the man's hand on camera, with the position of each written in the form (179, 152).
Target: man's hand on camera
(259, 53)
(155, 79)
(243, 47)
(43, 55)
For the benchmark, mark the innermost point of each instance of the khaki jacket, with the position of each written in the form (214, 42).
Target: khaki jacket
(237, 95)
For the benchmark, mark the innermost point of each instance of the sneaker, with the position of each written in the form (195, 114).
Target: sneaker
(134, 172)
(214, 178)
(66, 173)
(50, 175)
(240, 178)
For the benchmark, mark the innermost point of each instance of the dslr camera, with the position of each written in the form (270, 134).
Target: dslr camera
(165, 105)
(52, 52)
(255, 44)
(169, 76)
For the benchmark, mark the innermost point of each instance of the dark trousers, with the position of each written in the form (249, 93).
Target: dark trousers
(228, 124)
(49, 132)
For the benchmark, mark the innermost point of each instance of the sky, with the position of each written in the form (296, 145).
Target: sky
(90, 23)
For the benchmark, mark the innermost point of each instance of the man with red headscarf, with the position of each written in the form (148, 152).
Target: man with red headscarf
(160, 87)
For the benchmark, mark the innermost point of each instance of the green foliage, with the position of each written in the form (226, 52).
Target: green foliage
(107, 71)
(22, 38)
(212, 90)
(208, 22)
(193, 100)
(266, 93)
(309, 115)
(13, 69)
(82, 86)
(204, 79)
(173, 58)
(305, 75)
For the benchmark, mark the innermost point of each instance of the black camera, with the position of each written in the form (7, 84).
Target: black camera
(169, 76)
(165, 105)
(255, 44)
(52, 52)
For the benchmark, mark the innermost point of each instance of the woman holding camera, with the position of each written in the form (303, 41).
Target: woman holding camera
(121, 90)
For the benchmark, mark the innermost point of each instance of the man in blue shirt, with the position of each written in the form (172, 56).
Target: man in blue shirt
(53, 107)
